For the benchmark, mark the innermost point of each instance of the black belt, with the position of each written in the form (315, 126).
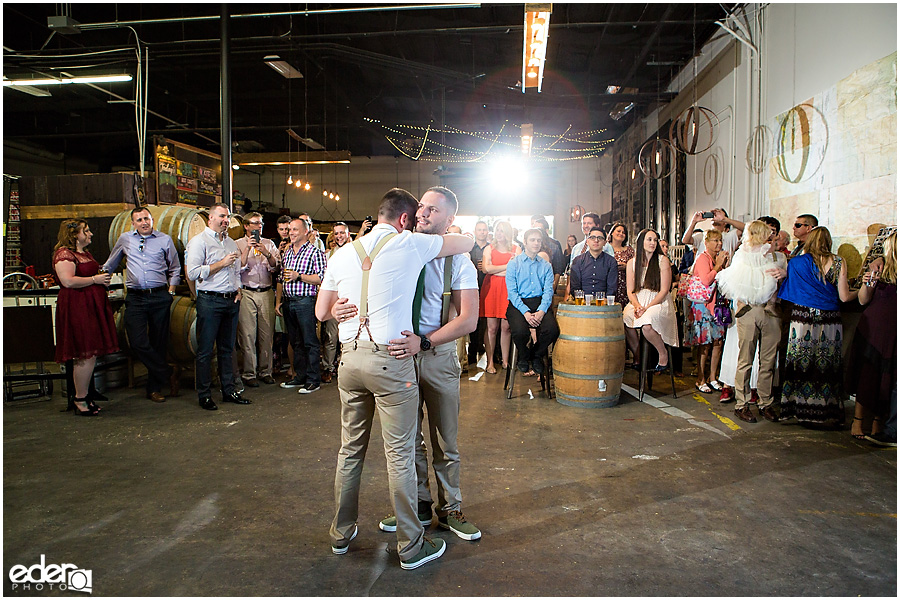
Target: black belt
(298, 297)
(161, 288)
(226, 295)
(259, 289)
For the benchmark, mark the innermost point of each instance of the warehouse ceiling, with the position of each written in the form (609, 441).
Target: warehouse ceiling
(377, 79)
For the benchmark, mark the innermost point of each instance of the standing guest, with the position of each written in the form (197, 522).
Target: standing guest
(690, 254)
(803, 225)
(595, 272)
(85, 327)
(749, 283)
(816, 284)
(557, 258)
(312, 233)
(700, 326)
(649, 280)
(782, 240)
(476, 338)
(152, 271)
(618, 240)
(873, 356)
(260, 262)
(341, 235)
(529, 284)
(212, 261)
(304, 267)
(730, 229)
(454, 229)
(378, 375)
(588, 222)
(570, 244)
(494, 297)
(282, 351)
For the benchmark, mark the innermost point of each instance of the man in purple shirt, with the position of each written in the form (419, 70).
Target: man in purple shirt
(260, 260)
(304, 267)
(152, 271)
(594, 272)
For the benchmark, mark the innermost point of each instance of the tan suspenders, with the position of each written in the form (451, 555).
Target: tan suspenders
(366, 260)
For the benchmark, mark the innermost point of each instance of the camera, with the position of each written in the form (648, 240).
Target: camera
(707, 215)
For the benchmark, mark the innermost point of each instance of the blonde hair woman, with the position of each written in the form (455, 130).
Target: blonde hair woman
(700, 326)
(85, 328)
(750, 283)
(873, 355)
(493, 301)
(816, 283)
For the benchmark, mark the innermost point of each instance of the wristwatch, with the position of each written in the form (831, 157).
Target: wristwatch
(426, 343)
(171, 292)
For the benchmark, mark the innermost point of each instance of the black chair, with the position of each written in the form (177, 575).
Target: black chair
(544, 377)
(647, 378)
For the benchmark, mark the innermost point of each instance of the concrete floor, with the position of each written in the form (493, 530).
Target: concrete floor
(662, 498)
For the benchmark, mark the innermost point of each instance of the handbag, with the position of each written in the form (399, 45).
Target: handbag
(722, 311)
(693, 289)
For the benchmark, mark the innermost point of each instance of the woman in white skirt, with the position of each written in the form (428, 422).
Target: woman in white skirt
(649, 278)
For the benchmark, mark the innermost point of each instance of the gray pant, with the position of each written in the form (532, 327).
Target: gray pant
(256, 328)
(438, 371)
(369, 379)
(329, 344)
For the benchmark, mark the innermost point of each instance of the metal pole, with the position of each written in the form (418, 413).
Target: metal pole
(225, 109)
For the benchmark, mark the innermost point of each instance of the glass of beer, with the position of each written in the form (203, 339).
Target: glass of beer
(600, 301)
(579, 297)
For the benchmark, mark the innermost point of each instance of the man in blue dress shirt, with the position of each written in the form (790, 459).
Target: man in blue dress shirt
(152, 271)
(529, 285)
(595, 272)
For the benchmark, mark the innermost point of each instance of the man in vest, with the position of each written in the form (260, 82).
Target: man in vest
(377, 375)
(446, 283)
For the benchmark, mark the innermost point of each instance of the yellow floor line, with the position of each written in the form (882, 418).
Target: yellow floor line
(854, 514)
(728, 422)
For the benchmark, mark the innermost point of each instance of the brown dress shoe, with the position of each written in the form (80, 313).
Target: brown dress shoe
(267, 379)
(156, 396)
(744, 414)
(769, 414)
(326, 376)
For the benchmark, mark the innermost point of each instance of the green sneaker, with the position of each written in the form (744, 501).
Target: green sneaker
(456, 522)
(390, 523)
(431, 550)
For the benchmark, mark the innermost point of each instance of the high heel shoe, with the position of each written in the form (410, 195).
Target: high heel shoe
(859, 436)
(89, 412)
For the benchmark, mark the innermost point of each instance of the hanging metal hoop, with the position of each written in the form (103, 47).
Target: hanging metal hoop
(759, 149)
(694, 130)
(801, 144)
(630, 176)
(656, 158)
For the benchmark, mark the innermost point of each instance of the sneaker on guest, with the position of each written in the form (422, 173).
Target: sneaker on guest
(389, 524)
(754, 396)
(293, 383)
(456, 522)
(309, 388)
(431, 550)
(342, 548)
(727, 395)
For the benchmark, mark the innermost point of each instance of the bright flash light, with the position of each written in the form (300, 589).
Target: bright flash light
(509, 174)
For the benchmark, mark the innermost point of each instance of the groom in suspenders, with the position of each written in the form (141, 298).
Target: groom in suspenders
(374, 273)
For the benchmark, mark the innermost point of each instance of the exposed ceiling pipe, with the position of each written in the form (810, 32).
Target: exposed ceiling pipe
(328, 11)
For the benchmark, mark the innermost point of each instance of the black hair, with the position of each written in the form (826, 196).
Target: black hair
(771, 221)
(652, 280)
(397, 202)
(448, 195)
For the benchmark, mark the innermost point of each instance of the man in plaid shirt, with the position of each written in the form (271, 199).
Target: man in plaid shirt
(303, 268)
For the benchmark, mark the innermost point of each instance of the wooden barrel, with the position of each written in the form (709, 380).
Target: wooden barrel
(182, 331)
(179, 222)
(589, 357)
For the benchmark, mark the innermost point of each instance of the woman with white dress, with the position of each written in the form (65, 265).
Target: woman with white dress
(649, 278)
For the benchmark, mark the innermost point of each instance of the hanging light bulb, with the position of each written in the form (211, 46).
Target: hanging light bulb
(331, 196)
(298, 183)
(290, 180)
(306, 187)
(337, 198)
(325, 193)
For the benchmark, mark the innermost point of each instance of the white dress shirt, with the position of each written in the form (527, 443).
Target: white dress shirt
(392, 281)
(204, 249)
(464, 277)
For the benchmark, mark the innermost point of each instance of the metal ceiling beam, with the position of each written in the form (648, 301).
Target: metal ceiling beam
(648, 45)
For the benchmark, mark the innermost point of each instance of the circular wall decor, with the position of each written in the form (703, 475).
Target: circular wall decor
(656, 159)
(759, 149)
(798, 154)
(694, 130)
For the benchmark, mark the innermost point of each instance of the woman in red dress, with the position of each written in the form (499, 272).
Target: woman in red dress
(85, 328)
(493, 292)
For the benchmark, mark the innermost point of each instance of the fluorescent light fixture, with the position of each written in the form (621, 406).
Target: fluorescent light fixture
(67, 80)
(282, 67)
(32, 91)
(534, 53)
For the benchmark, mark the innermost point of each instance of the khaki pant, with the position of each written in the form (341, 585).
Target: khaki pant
(756, 327)
(329, 344)
(256, 328)
(438, 371)
(369, 379)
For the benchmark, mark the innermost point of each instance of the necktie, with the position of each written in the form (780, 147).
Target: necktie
(417, 301)
(583, 248)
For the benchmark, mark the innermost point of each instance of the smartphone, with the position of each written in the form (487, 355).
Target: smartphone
(255, 235)
(707, 215)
